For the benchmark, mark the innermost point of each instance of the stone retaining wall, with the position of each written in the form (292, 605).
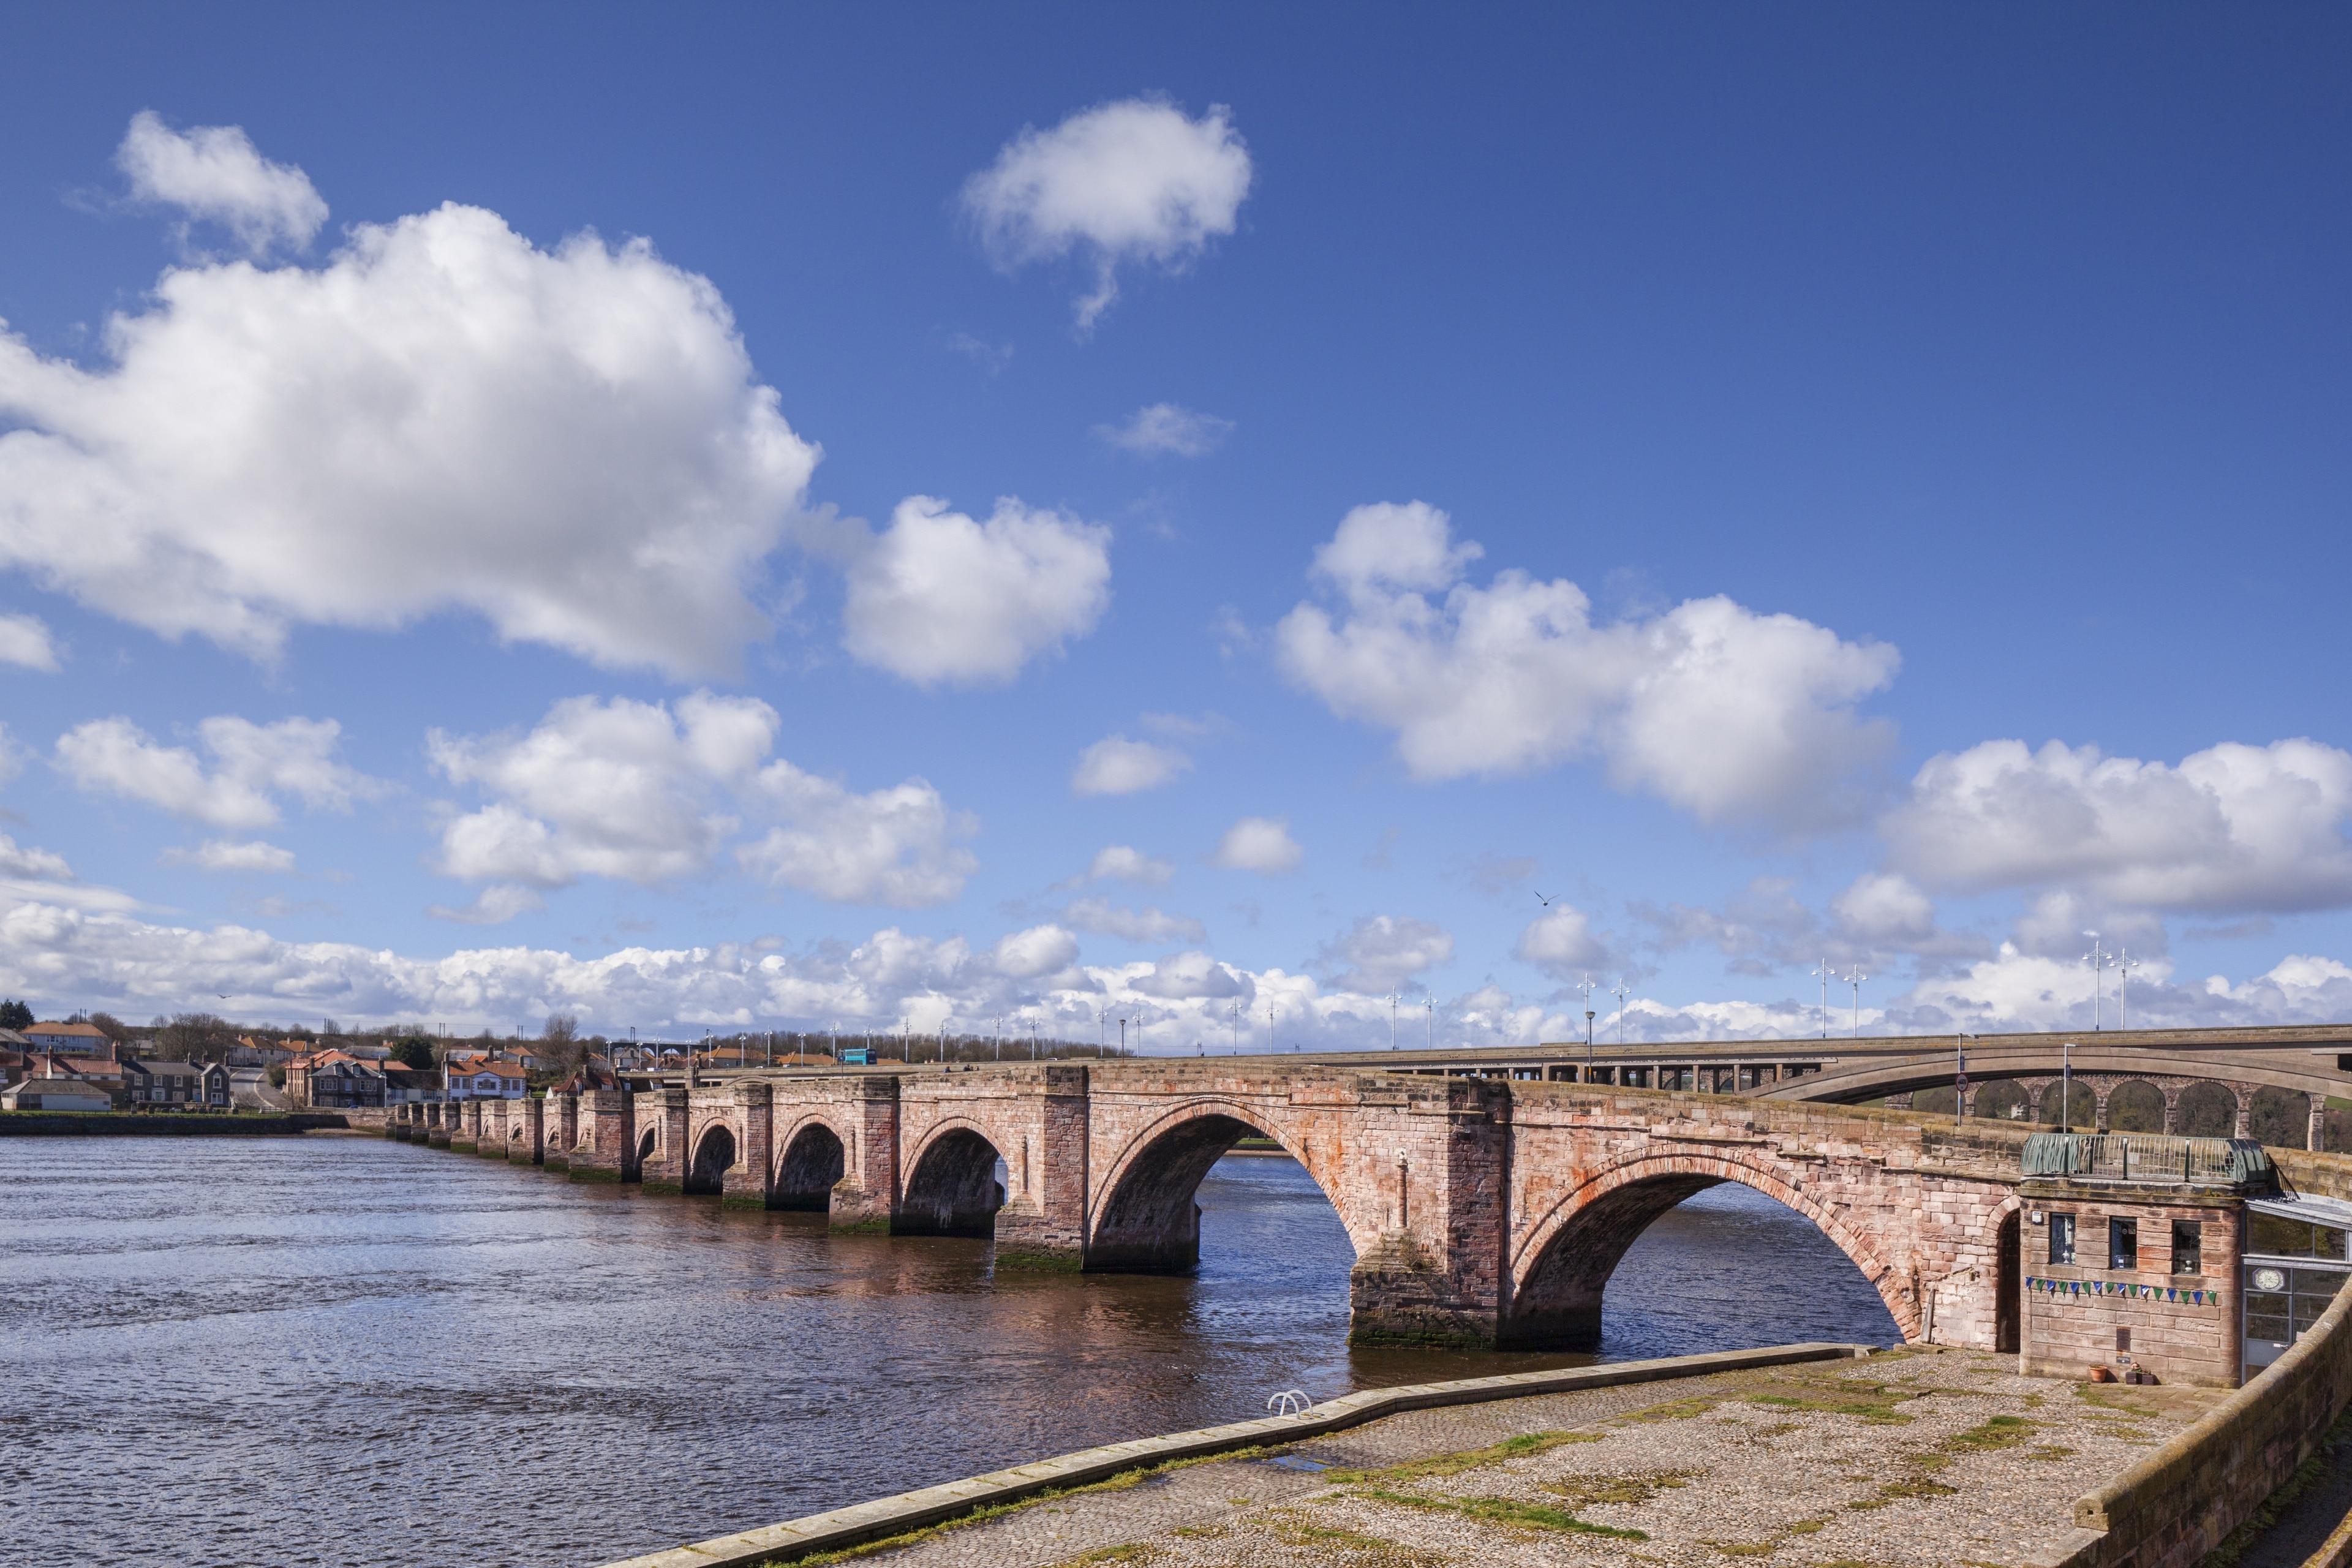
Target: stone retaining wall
(2183, 1500)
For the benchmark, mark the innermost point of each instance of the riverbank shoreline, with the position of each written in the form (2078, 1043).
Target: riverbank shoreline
(907, 1512)
(164, 1124)
(1917, 1456)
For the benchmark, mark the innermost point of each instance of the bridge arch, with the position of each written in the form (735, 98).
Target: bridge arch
(1144, 1217)
(713, 1154)
(1561, 1268)
(951, 1187)
(811, 1157)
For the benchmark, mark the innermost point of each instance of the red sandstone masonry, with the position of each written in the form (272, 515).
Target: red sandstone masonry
(1480, 1210)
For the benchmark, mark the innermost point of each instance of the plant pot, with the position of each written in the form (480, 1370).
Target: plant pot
(2101, 1375)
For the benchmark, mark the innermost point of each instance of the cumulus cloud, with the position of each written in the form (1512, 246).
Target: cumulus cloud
(642, 794)
(1135, 181)
(27, 862)
(2230, 829)
(1117, 766)
(897, 846)
(1260, 844)
(1164, 429)
(1561, 944)
(443, 417)
(1150, 923)
(1123, 863)
(938, 599)
(253, 765)
(1731, 715)
(1383, 953)
(1039, 951)
(25, 641)
(248, 857)
(214, 172)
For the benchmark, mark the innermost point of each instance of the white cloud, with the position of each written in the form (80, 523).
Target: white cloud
(24, 640)
(1039, 951)
(60, 940)
(443, 417)
(1117, 766)
(1731, 715)
(1131, 181)
(1164, 429)
(937, 597)
(1382, 953)
(633, 791)
(1261, 843)
(1150, 923)
(494, 905)
(1125, 864)
(228, 854)
(1561, 944)
(26, 861)
(896, 846)
(253, 763)
(2234, 828)
(214, 172)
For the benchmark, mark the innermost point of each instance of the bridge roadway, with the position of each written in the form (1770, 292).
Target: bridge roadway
(2313, 1060)
(1487, 1210)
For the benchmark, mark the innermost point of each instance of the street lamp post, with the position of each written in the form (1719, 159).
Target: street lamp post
(1960, 1079)
(2098, 959)
(1856, 980)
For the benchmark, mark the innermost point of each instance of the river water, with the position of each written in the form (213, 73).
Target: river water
(347, 1350)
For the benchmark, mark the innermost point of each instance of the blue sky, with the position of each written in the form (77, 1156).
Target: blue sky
(1824, 483)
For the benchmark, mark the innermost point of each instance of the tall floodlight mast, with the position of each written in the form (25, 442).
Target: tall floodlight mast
(1856, 980)
(1585, 988)
(1621, 992)
(1393, 1006)
(2098, 959)
(2125, 965)
(1823, 975)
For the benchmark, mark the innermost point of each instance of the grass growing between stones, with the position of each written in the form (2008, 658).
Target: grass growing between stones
(1468, 1460)
(1120, 1482)
(1507, 1511)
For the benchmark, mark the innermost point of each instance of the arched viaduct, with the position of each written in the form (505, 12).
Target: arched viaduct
(1481, 1211)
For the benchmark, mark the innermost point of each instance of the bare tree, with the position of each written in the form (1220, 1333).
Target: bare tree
(194, 1036)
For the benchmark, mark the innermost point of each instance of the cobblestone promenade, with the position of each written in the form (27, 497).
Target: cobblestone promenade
(1908, 1459)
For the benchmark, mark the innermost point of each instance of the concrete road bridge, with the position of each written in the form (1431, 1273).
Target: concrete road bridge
(1487, 1210)
(2314, 1061)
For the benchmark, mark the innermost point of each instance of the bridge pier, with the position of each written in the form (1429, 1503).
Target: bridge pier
(527, 1131)
(604, 1143)
(750, 1181)
(438, 1128)
(561, 1133)
(2316, 1138)
(662, 1129)
(867, 1194)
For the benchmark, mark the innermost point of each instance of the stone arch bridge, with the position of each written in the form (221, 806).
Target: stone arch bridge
(1482, 1211)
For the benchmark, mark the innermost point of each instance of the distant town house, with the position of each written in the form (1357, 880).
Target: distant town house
(68, 1039)
(403, 1084)
(482, 1078)
(333, 1080)
(146, 1083)
(215, 1086)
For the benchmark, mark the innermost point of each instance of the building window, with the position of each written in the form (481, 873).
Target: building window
(2061, 1238)
(2188, 1246)
(2123, 1244)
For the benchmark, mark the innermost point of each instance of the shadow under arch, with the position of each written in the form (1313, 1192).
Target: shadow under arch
(645, 1147)
(953, 1190)
(1148, 1220)
(813, 1162)
(712, 1157)
(1560, 1272)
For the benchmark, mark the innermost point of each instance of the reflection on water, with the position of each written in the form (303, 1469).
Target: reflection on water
(355, 1352)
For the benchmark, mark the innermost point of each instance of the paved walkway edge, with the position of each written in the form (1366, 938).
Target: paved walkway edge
(912, 1511)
